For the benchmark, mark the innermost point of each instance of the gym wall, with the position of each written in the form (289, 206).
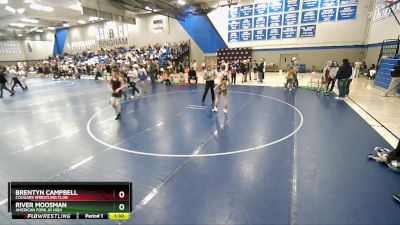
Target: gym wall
(380, 30)
(17, 51)
(333, 40)
(141, 34)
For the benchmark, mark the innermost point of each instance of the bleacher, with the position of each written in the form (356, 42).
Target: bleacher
(383, 76)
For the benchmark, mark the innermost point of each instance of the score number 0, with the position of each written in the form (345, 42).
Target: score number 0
(121, 195)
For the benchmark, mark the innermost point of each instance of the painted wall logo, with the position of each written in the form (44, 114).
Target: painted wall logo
(116, 42)
(381, 12)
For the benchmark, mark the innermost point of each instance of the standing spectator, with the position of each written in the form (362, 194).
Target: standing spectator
(260, 70)
(332, 76)
(3, 82)
(143, 78)
(395, 73)
(358, 68)
(343, 75)
(234, 70)
(255, 66)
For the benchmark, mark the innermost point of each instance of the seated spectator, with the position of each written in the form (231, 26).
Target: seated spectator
(192, 75)
(371, 72)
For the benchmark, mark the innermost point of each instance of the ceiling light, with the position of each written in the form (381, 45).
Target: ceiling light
(19, 35)
(76, 7)
(148, 8)
(51, 28)
(181, 2)
(81, 21)
(33, 29)
(21, 10)
(26, 20)
(3, 2)
(10, 9)
(17, 24)
(41, 7)
(65, 25)
(39, 30)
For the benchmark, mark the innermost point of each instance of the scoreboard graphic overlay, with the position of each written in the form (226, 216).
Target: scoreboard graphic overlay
(70, 200)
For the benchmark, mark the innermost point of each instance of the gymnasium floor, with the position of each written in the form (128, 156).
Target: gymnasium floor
(276, 158)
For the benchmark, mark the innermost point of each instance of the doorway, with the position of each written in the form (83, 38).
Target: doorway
(285, 61)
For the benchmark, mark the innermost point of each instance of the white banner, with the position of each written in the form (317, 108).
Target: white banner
(381, 12)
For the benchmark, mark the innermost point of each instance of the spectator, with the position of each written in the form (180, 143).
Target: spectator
(260, 70)
(343, 75)
(192, 75)
(394, 83)
(332, 76)
(3, 82)
(371, 72)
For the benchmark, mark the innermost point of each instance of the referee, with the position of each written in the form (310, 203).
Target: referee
(209, 77)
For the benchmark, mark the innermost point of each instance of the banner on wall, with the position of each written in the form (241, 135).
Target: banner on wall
(234, 12)
(381, 12)
(292, 5)
(310, 4)
(246, 23)
(260, 9)
(328, 3)
(275, 20)
(309, 16)
(233, 36)
(81, 45)
(289, 32)
(327, 15)
(260, 22)
(291, 19)
(274, 33)
(347, 13)
(246, 10)
(233, 24)
(158, 25)
(10, 47)
(307, 31)
(348, 2)
(275, 6)
(245, 35)
(259, 35)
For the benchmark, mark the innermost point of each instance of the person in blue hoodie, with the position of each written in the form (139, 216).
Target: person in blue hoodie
(343, 75)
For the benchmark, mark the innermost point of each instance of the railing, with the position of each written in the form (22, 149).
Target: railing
(389, 48)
